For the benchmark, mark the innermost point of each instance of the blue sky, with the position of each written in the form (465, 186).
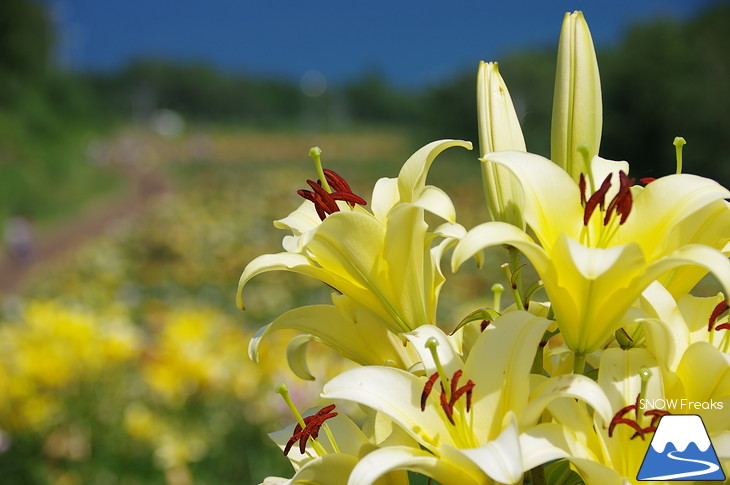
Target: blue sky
(412, 42)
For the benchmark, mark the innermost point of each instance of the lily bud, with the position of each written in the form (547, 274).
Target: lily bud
(577, 109)
(499, 130)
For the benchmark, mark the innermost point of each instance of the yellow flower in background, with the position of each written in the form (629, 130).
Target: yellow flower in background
(51, 349)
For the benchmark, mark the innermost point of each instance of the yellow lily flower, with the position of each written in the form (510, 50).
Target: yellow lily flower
(596, 252)
(611, 452)
(385, 263)
(481, 427)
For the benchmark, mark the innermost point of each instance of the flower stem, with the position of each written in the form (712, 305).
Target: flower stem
(579, 364)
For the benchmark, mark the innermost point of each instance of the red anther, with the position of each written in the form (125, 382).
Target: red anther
(427, 389)
(597, 199)
(647, 180)
(719, 310)
(630, 422)
(337, 183)
(656, 415)
(448, 403)
(447, 407)
(483, 325)
(582, 188)
(455, 382)
(618, 418)
(313, 423)
(622, 201)
(325, 202)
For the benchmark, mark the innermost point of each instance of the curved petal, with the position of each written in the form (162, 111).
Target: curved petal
(298, 263)
(360, 341)
(296, 356)
(666, 202)
(499, 364)
(598, 474)
(500, 459)
(406, 252)
(385, 197)
(382, 461)
(703, 359)
(412, 177)
(496, 233)
(437, 202)
(304, 218)
(573, 386)
(552, 198)
(446, 349)
(326, 470)
(396, 394)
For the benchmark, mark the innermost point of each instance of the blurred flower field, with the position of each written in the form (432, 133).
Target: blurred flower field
(128, 362)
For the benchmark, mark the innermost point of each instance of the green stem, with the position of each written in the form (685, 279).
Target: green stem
(579, 364)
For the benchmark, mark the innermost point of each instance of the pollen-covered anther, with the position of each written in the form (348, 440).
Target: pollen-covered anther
(619, 418)
(620, 204)
(324, 201)
(622, 201)
(721, 308)
(312, 425)
(597, 199)
(448, 400)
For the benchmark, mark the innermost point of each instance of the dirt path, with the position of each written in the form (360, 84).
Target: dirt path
(49, 247)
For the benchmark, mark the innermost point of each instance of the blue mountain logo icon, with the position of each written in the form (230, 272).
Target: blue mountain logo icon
(681, 450)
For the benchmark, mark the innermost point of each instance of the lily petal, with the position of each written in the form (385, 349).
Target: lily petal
(382, 461)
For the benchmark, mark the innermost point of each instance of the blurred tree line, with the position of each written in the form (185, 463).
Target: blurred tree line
(664, 78)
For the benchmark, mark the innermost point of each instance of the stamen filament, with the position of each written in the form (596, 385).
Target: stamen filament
(645, 375)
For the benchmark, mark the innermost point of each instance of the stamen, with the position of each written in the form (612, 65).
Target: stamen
(721, 308)
(427, 389)
(647, 180)
(582, 188)
(619, 418)
(597, 199)
(450, 394)
(310, 429)
(622, 201)
(330, 188)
